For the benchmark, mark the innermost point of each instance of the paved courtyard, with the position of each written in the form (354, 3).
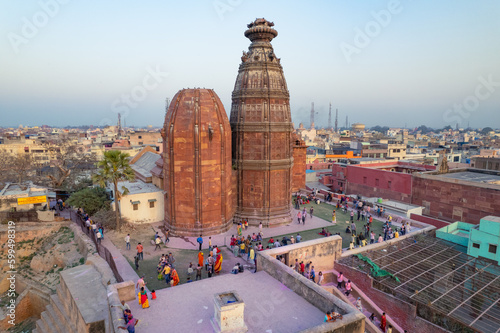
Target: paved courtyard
(269, 306)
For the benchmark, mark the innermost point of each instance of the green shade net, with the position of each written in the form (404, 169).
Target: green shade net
(375, 271)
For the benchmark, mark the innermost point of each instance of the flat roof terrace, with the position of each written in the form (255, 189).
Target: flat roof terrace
(474, 177)
(269, 306)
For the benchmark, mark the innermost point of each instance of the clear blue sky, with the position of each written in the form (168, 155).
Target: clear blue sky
(80, 59)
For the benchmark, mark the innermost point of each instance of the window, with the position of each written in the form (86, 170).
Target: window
(376, 182)
(475, 245)
(492, 249)
(136, 206)
(456, 159)
(364, 180)
(140, 142)
(151, 204)
(140, 136)
(389, 184)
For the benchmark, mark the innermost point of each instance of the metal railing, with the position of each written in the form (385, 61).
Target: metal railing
(101, 249)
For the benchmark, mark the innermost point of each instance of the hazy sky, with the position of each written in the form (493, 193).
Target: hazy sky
(379, 62)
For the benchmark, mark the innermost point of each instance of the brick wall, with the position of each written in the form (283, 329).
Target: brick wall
(429, 220)
(370, 191)
(401, 312)
(378, 183)
(453, 201)
(299, 167)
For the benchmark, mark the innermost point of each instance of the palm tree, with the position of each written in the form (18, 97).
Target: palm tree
(114, 167)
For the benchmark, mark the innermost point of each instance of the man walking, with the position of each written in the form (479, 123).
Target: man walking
(140, 283)
(127, 241)
(200, 242)
(311, 211)
(198, 272)
(140, 248)
(171, 259)
(158, 243)
(136, 260)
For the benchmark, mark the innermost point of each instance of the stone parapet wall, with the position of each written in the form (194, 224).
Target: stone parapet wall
(353, 320)
(116, 314)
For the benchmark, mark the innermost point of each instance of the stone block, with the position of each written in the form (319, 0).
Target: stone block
(126, 290)
(229, 313)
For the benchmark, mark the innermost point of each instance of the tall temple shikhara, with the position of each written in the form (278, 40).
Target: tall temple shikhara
(262, 128)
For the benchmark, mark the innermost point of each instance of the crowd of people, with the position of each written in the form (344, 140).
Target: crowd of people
(96, 228)
(130, 321)
(304, 269)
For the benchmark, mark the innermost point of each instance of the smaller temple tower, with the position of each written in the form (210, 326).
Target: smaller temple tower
(197, 174)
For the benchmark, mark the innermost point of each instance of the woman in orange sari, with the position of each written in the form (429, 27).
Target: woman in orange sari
(200, 259)
(175, 277)
(218, 264)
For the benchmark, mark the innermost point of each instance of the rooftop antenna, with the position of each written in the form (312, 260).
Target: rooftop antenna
(119, 124)
(336, 120)
(312, 115)
(330, 117)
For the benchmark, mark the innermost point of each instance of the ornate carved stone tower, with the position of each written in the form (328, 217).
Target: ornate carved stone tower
(261, 130)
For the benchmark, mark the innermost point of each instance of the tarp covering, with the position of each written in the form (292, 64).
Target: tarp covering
(375, 270)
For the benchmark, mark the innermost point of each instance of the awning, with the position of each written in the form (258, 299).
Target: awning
(152, 200)
(135, 202)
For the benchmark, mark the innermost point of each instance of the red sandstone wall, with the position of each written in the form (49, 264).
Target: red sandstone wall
(403, 313)
(370, 191)
(375, 183)
(454, 201)
(319, 165)
(339, 173)
(299, 168)
(429, 220)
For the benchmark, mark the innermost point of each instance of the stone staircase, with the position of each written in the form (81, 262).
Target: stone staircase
(80, 304)
(366, 310)
(55, 318)
(330, 278)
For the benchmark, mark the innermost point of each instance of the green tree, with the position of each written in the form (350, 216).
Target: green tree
(486, 130)
(380, 129)
(90, 199)
(113, 168)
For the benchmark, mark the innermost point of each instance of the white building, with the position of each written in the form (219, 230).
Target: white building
(143, 203)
